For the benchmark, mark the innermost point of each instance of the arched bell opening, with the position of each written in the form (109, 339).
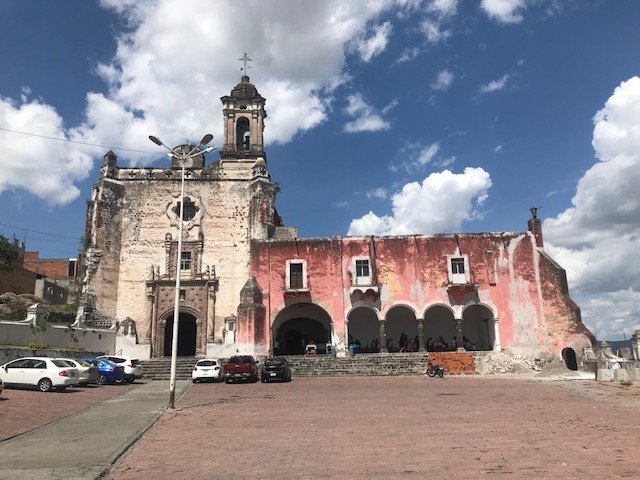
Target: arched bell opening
(243, 137)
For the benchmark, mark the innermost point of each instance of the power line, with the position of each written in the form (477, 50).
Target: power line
(78, 143)
(25, 229)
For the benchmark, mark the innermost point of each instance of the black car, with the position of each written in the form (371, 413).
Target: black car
(276, 368)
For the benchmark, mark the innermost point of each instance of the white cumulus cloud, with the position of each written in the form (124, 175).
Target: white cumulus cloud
(366, 118)
(504, 11)
(597, 239)
(369, 47)
(440, 203)
(45, 168)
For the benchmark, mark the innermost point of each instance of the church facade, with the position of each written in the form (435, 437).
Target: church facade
(249, 285)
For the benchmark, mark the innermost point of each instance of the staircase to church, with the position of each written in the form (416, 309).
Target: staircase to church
(326, 365)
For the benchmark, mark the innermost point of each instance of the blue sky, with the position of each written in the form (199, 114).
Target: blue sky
(384, 117)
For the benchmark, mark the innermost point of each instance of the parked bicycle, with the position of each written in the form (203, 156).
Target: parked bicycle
(434, 369)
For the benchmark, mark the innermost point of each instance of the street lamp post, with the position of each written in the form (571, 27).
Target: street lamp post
(176, 304)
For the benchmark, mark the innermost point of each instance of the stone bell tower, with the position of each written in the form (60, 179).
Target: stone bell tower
(244, 116)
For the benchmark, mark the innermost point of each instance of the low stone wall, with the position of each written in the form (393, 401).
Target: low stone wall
(11, 353)
(19, 334)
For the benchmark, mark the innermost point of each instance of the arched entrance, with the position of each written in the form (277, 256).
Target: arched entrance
(364, 328)
(478, 327)
(187, 330)
(401, 323)
(298, 325)
(439, 321)
(569, 358)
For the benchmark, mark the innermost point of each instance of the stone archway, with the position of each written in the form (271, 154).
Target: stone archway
(478, 327)
(439, 321)
(401, 320)
(298, 325)
(364, 328)
(187, 335)
(569, 358)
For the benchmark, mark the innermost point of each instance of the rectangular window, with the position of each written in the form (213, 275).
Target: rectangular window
(363, 271)
(296, 279)
(458, 268)
(362, 268)
(185, 261)
(457, 265)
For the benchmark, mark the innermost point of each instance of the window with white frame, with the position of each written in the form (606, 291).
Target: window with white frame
(362, 268)
(296, 275)
(458, 269)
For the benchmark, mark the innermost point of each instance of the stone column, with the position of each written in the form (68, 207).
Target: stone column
(150, 315)
(497, 347)
(635, 345)
(459, 335)
(211, 309)
(421, 336)
(383, 337)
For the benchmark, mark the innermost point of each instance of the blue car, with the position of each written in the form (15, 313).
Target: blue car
(108, 372)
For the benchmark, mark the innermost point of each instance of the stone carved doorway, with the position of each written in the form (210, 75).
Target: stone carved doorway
(187, 335)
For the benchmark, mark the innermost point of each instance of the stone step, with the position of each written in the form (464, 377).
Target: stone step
(324, 365)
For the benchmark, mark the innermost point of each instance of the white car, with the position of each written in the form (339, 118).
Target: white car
(132, 366)
(206, 369)
(87, 373)
(42, 372)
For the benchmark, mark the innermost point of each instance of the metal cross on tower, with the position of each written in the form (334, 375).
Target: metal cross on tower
(245, 59)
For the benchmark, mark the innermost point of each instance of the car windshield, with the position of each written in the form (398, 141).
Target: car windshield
(206, 363)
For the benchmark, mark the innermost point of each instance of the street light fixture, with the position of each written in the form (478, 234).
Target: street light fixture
(183, 157)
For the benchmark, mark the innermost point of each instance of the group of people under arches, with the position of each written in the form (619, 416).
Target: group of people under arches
(405, 344)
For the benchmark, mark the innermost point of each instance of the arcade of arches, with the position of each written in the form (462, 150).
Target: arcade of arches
(300, 324)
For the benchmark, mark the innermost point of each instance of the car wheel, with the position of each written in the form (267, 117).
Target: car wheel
(194, 380)
(129, 380)
(263, 380)
(45, 385)
(102, 379)
(227, 381)
(83, 384)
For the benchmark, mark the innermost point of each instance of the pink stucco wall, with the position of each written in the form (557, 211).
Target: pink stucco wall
(505, 277)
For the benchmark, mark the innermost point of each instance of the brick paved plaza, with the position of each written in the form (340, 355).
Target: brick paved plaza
(395, 427)
(23, 410)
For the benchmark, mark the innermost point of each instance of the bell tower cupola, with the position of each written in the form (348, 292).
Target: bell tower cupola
(244, 116)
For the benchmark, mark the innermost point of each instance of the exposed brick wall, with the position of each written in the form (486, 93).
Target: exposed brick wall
(454, 362)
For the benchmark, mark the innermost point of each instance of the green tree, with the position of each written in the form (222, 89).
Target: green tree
(9, 253)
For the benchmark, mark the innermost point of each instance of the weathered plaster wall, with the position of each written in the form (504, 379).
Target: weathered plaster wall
(563, 322)
(413, 271)
(140, 218)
